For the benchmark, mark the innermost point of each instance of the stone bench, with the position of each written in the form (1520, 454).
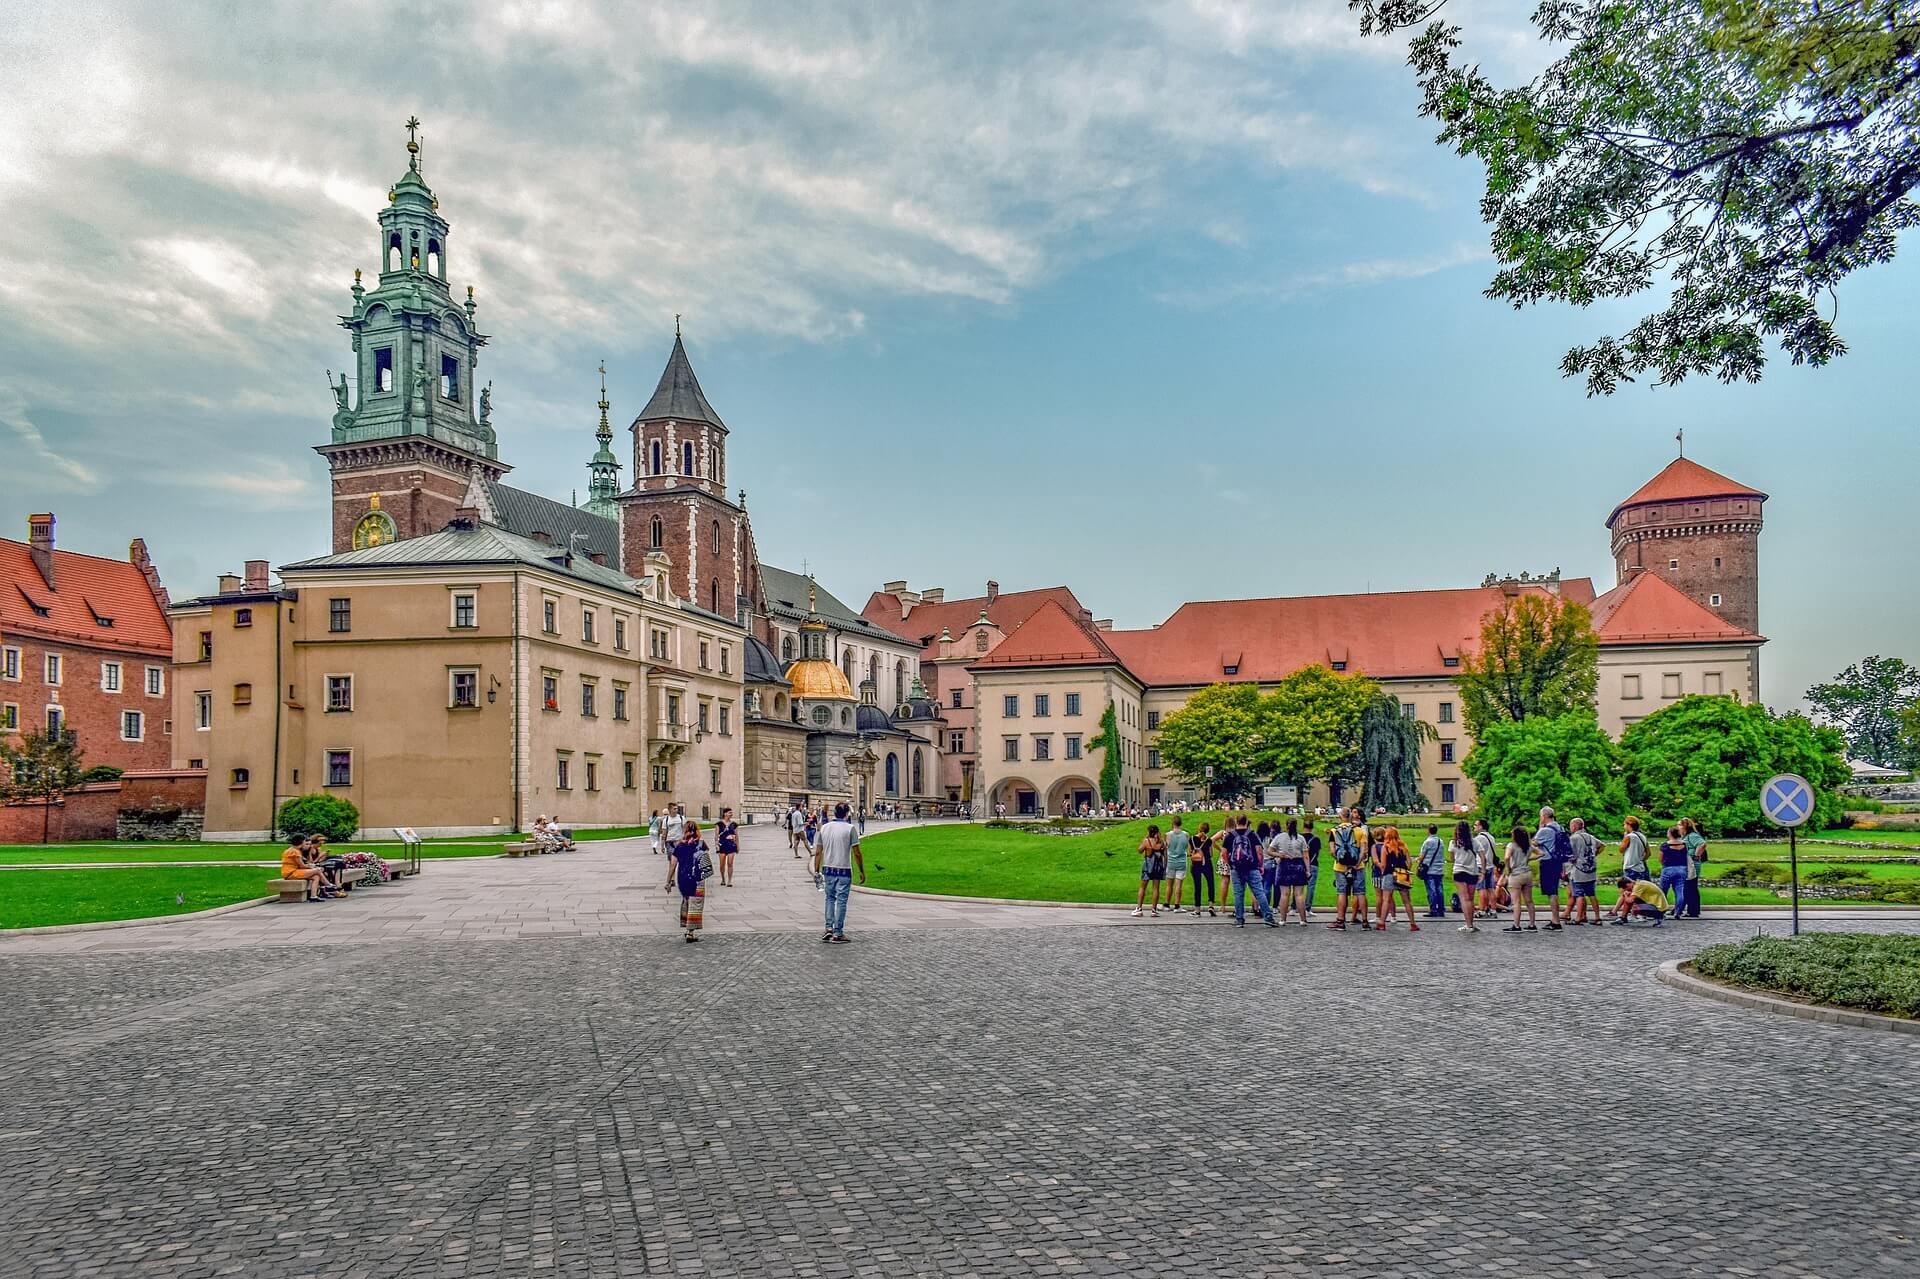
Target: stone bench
(295, 890)
(528, 849)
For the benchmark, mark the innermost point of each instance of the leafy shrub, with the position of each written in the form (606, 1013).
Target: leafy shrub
(1709, 756)
(102, 773)
(327, 815)
(1850, 970)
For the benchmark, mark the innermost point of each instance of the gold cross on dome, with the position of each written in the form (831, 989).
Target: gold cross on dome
(413, 126)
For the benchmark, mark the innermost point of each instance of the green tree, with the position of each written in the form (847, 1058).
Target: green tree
(1309, 725)
(1567, 761)
(1388, 764)
(1538, 656)
(1708, 757)
(43, 767)
(1748, 155)
(1217, 728)
(1910, 736)
(1866, 702)
(327, 815)
(1108, 740)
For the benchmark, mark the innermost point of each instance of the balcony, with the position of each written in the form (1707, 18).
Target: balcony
(668, 740)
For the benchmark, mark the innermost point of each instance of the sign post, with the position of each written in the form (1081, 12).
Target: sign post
(1787, 800)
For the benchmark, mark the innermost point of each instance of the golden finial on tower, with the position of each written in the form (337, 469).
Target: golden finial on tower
(606, 430)
(413, 142)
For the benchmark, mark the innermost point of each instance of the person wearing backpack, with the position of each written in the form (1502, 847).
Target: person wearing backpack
(1433, 872)
(1633, 851)
(689, 865)
(1696, 854)
(1584, 877)
(1243, 859)
(1153, 870)
(1349, 871)
(1554, 852)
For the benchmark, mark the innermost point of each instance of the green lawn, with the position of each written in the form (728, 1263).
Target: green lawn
(1911, 837)
(1104, 866)
(30, 899)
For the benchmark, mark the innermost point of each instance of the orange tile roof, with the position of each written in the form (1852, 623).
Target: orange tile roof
(1648, 609)
(923, 624)
(1388, 635)
(1681, 479)
(1050, 637)
(87, 589)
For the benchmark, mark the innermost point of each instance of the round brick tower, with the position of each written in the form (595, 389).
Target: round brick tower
(1699, 530)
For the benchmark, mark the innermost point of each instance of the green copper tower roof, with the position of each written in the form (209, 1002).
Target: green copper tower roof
(603, 471)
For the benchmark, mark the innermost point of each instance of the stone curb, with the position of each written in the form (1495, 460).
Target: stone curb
(98, 925)
(990, 901)
(1672, 974)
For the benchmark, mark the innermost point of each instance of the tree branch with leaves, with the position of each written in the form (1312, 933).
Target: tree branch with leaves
(1538, 656)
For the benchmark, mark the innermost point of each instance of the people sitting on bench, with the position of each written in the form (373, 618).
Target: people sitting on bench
(294, 864)
(549, 836)
(331, 864)
(1639, 898)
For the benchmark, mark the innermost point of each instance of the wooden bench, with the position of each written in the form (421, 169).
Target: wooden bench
(295, 890)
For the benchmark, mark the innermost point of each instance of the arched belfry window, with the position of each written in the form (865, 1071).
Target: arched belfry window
(786, 648)
(655, 468)
(713, 595)
(893, 774)
(658, 533)
(393, 252)
(433, 260)
(413, 252)
(686, 458)
(716, 537)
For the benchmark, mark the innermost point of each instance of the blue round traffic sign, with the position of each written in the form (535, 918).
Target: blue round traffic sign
(1787, 800)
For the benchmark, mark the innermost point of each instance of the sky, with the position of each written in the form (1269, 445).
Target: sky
(1161, 299)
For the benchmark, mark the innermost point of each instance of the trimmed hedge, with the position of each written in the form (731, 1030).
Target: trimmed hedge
(327, 815)
(1878, 973)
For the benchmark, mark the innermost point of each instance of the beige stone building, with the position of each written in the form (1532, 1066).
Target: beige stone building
(461, 682)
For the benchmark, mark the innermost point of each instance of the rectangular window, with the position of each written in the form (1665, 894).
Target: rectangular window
(563, 772)
(53, 668)
(1339, 666)
(726, 660)
(1407, 710)
(548, 619)
(713, 778)
(1712, 683)
(156, 681)
(1073, 703)
(1629, 687)
(1010, 706)
(206, 646)
(588, 626)
(56, 720)
(673, 708)
(620, 633)
(383, 369)
(1446, 792)
(1673, 564)
(1670, 684)
(1012, 748)
(1153, 757)
(1043, 748)
(339, 768)
(465, 691)
(463, 611)
(593, 773)
(703, 717)
(133, 726)
(449, 378)
(1042, 705)
(109, 677)
(658, 645)
(626, 774)
(586, 699)
(1446, 752)
(339, 693)
(662, 777)
(956, 700)
(238, 779)
(1714, 600)
(704, 647)
(550, 692)
(1231, 669)
(726, 721)
(9, 663)
(1153, 720)
(242, 617)
(9, 717)
(1446, 712)
(1073, 746)
(619, 701)
(957, 742)
(1449, 662)
(203, 711)
(1716, 562)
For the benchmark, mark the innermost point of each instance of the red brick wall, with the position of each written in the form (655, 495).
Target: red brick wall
(89, 813)
(419, 500)
(91, 712)
(1733, 539)
(695, 566)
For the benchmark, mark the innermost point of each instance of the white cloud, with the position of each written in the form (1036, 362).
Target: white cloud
(34, 464)
(1357, 274)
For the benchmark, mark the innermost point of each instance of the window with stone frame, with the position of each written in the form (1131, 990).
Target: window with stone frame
(464, 690)
(109, 677)
(1073, 746)
(340, 768)
(156, 681)
(339, 615)
(9, 663)
(464, 612)
(339, 693)
(133, 726)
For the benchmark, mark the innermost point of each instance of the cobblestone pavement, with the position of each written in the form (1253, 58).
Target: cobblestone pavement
(932, 1099)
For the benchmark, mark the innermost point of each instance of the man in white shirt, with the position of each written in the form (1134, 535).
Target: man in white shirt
(836, 851)
(676, 824)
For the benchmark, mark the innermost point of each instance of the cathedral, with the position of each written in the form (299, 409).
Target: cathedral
(832, 704)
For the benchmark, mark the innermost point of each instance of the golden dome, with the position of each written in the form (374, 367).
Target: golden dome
(818, 679)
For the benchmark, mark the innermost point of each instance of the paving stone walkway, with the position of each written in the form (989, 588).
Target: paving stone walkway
(513, 1068)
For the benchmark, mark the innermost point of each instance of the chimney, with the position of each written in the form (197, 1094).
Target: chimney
(1103, 624)
(229, 584)
(40, 543)
(893, 588)
(993, 591)
(138, 557)
(598, 557)
(256, 575)
(1086, 616)
(933, 595)
(946, 642)
(466, 518)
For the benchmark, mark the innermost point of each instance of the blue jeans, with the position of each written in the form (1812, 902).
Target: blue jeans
(1436, 895)
(839, 886)
(1673, 882)
(1313, 882)
(1243, 880)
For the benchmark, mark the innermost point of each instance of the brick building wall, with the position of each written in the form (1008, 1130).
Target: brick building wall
(1709, 548)
(89, 812)
(93, 711)
(688, 519)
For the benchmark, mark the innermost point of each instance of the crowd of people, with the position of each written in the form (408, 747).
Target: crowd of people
(1277, 866)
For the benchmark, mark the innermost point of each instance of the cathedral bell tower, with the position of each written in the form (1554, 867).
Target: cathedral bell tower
(413, 428)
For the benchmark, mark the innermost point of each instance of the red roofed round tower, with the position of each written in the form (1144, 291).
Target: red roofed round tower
(1700, 531)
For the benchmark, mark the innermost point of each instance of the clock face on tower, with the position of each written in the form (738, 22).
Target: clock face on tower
(374, 529)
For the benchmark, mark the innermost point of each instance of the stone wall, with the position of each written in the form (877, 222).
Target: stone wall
(1896, 791)
(93, 812)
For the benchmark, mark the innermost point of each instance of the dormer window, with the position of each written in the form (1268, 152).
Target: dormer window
(1339, 666)
(1230, 670)
(1449, 662)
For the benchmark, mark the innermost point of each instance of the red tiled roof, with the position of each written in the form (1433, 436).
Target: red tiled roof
(1681, 479)
(1648, 609)
(87, 589)
(1389, 635)
(923, 624)
(1050, 637)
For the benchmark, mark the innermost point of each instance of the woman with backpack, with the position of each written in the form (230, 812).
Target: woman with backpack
(689, 865)
(1153, 870)
(1696, 854)
(1395, 880)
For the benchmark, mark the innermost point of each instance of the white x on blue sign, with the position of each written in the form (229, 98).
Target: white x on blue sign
(1787, 800)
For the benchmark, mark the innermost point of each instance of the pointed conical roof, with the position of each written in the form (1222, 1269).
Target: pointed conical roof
(679, 396)
(1681, 479)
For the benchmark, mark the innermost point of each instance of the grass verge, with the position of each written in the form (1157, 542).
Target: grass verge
(39, 898)
(1876, 973)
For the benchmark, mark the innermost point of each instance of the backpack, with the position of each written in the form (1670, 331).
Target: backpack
(1562, 844)
(703, 862)
(1344, 852)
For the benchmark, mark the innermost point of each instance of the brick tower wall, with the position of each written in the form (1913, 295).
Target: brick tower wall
(420, 496)
(1697, 534)
(687, 518)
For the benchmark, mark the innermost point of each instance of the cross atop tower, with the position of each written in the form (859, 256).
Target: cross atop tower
(413, 142)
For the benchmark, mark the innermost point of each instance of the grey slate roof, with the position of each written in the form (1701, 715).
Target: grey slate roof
(524, 513)
(482, 544)
(761, 666)
(787, 598)
(679, 396)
